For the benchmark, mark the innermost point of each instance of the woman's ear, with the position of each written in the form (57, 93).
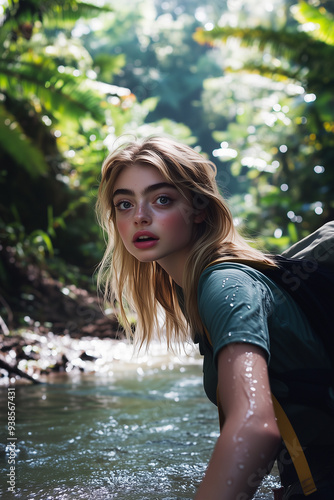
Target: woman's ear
(200, 203)
(199, 217)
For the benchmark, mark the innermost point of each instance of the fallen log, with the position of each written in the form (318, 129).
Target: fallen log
(16, 371)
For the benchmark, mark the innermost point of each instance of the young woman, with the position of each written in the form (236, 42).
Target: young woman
(167, 223)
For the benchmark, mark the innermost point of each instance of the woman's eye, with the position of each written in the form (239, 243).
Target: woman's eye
(163, 200)
(123, 205)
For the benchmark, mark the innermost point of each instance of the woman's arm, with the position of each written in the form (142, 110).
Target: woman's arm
(250, 437)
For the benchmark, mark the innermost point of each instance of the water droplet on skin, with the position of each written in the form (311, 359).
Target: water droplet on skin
(231, 305)
(229, 482)
(265, 425)
(241, 466)
(248, 307)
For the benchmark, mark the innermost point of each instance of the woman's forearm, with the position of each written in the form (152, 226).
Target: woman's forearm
(240, 460)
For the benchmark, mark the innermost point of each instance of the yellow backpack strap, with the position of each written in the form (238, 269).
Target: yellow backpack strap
(289, 437)
(294, 448)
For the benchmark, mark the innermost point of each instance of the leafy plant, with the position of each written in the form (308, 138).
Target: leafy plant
(280, 83)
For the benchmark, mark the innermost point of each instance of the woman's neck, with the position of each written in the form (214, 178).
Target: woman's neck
(174, 268)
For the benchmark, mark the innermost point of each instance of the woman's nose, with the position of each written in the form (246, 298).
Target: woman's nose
(142, 215)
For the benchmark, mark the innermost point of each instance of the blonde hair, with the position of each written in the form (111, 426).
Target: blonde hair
(146, 285)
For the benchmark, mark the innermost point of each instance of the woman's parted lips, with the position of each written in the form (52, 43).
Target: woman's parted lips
(143, 236)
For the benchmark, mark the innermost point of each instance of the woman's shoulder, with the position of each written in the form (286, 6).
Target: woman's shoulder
(234, 305)
(231, 270)
(233, 277)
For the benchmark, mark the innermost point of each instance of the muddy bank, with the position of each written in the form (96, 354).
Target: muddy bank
(29, 356)
(42, 322)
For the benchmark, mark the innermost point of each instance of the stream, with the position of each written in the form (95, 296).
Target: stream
(134, 428)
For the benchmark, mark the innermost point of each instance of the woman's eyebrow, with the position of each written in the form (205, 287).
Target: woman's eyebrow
(148, 189)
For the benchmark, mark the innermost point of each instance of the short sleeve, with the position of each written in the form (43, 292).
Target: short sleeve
(234, 307)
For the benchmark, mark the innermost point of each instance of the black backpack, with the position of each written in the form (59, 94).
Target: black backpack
(306, 272)
(311, 285)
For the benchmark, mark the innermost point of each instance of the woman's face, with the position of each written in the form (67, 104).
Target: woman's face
(154, 220)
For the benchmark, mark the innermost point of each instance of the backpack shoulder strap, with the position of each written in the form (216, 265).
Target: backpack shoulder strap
(294, 448)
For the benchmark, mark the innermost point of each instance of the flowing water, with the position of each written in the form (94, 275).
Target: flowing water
(133, 429)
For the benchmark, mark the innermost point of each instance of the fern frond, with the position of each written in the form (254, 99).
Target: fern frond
(67, 15)
(18, 146)
(58, 93)
(282, 41)
(274, 73)
(319, 22)
(298, 48)
(51, 13)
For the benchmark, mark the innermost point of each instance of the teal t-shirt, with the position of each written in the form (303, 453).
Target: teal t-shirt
(240, 304)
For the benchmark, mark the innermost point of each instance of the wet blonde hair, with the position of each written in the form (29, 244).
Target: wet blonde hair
(146, 285)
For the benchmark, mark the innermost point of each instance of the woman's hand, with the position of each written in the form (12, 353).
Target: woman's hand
(250, 437)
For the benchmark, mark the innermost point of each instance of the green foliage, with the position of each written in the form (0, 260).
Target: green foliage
(161, 60)
(256, 98)
(37, 77)
(53, 121)
(52, 13)
(27, 248)
(109, 65)
(18, 146)
(319, 21)
(57, 120)
(278, 95)
(295, 50)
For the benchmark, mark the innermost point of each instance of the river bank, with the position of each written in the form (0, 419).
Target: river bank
(38, 355)
(43, 321)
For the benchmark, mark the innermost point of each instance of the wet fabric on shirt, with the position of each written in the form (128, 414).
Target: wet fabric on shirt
(240, 304)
